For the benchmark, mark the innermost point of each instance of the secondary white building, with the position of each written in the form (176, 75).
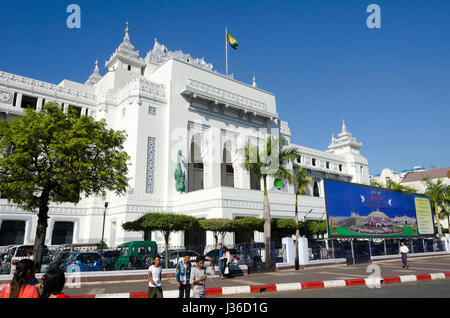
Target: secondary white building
(170, 103)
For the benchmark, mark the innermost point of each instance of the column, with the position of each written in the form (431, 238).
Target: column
(65, 108)
(39, 104)
(19, 100)
(215, 158)
(83, 111)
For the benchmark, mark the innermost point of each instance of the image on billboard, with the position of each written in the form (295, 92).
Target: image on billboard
(355, 210)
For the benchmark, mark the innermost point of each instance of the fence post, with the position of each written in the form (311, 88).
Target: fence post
(385, 249)
(353, 252)
(370, 252)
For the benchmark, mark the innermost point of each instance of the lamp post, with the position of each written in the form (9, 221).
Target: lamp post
(304, 221)
(103, 228)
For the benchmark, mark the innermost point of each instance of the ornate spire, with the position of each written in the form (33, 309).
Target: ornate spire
(254, 80)
(126, 39)
(333, 139)
(125, 52)
(344, 127)
(95, 76)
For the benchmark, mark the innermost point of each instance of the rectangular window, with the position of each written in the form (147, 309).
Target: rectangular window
(76, 109)
(12, 233)
(328, 165)
(62, 233)
(29, 102)
(152, 110)
(314, 162)
(150, 183)
(340, 167)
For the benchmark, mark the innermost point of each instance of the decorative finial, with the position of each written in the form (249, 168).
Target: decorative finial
(254, 80)
(127, 31)
(333, 139)
(344, 127)
(96, 67)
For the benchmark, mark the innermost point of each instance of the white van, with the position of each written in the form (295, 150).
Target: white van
(19, 253)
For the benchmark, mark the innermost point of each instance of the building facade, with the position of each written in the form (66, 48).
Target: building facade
(181, 116)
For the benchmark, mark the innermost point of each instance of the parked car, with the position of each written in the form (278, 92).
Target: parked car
(255, 253)
(136, 255)
(87, 261)
(109, 258)
(176, 256)
(214, 254)
(20, 253)
(58, 257)
(5, 266)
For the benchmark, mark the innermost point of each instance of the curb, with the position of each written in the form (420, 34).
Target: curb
(371, 282)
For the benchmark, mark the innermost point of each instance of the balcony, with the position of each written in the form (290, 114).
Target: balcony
(198, 90)
(247, 202)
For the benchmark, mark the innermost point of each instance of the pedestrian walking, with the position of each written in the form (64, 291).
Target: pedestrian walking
(19, 286)
(183, 276)
(53, 283)
(154, 279)
(198, 278)
(404, 251)
(227, 261)
(221, 261)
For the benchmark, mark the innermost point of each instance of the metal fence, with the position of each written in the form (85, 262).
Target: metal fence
(361, 251)
(251, 254)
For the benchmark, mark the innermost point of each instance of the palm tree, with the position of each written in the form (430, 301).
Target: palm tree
(445, 209)
(302, 182)
(392, 185)
(271, 161)
(438, 193)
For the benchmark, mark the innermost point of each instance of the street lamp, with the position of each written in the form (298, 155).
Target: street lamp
(304, 221)
(103, 229)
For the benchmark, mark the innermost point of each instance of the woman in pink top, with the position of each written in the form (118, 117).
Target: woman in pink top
(19, 287)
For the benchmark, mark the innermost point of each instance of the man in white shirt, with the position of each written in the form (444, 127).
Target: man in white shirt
(154, 279)
(404, 251)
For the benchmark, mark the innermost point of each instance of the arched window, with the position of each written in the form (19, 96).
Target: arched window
(316, 189)
(195, 166)
(227, 169)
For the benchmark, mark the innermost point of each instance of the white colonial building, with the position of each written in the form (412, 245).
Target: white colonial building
(170, 103)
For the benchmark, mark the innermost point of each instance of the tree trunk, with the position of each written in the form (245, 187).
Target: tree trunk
(267, 234)
(166, 239)
(437, 220)
(41, 231)
(297, 234)
(216, 235)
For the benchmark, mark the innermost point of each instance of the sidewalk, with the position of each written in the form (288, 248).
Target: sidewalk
(381, 272)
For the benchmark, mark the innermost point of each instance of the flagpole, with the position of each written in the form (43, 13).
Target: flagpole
(226, 50)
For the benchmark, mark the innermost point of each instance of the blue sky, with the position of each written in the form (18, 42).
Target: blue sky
(391, 85)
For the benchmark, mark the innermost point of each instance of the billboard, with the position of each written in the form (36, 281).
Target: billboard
(355, 210)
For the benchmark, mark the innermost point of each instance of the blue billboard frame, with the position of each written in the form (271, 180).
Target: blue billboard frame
(367, 236)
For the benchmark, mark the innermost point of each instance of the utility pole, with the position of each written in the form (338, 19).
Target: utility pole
(103, 228)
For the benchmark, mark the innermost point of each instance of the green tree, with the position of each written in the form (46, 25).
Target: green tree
(218, 227)
(392, 185)
(272, 161)
(302, 184)
(283, 227)
(438, 193)
(50, 156)
(166, 223)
